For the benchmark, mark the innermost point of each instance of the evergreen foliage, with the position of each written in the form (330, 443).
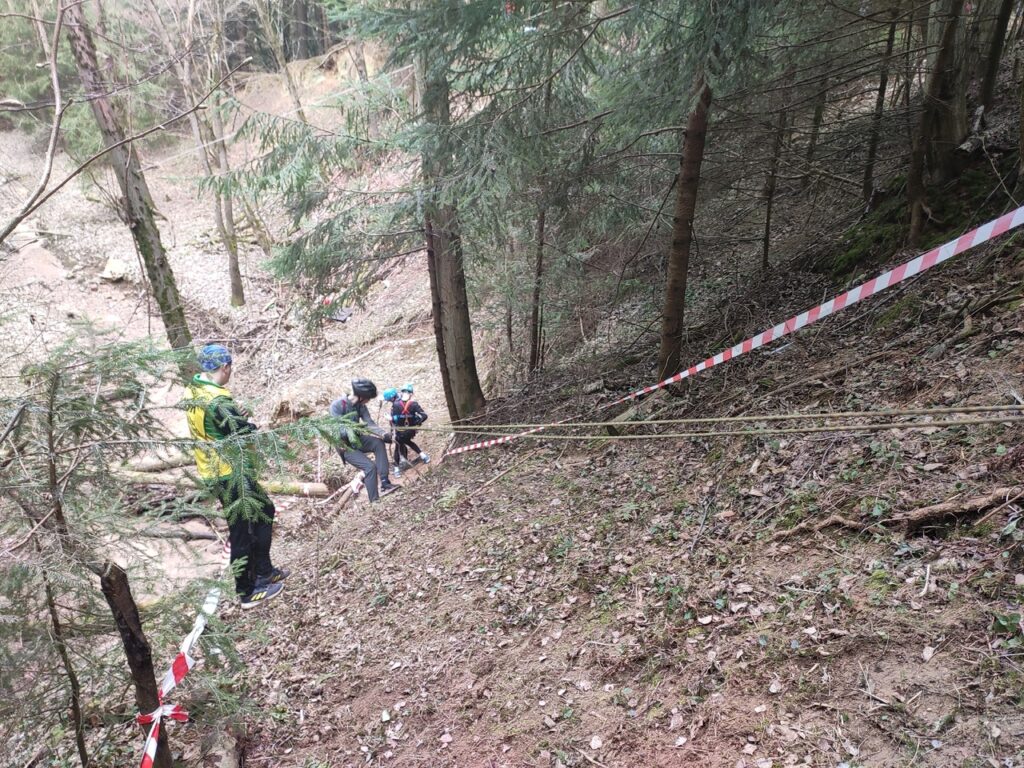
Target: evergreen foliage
(80, 416)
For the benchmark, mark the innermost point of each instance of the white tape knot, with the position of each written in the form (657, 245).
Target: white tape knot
(172, 711)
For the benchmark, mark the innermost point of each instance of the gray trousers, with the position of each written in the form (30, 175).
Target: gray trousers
(375, 470)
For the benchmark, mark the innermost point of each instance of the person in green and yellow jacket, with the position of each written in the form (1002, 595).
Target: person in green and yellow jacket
(215, 421)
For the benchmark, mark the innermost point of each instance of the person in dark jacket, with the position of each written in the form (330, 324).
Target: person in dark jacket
(406, 413)
(359, 435)
(215, 422)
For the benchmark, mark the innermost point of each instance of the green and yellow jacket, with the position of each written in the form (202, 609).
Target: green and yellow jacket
(213, 417)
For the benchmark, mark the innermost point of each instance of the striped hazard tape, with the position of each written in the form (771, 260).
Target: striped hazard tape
(500, 440)
(180, 667)
(904, 271)
(876, 285)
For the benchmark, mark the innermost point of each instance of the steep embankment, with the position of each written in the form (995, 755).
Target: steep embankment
(669, 601)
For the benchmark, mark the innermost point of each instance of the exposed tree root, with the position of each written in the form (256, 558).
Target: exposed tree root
(817, 526)
(955, 508)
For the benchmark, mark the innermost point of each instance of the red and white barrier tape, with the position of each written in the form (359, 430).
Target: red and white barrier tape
(183, 662)
(499, 440)
(904, 271)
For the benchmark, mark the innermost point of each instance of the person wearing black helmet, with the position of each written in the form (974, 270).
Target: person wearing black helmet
(359, 435)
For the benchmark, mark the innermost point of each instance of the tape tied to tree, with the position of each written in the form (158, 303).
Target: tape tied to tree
(180, 667)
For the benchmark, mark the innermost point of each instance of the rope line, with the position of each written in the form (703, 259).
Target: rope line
(492, 429)
(775, 431)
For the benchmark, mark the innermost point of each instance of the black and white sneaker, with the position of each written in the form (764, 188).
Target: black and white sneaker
(386, 487)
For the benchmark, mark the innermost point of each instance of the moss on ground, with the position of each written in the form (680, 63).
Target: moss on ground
(965, 202)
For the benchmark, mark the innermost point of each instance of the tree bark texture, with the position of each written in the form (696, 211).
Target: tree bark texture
(538, 279)
(820, 101)
(995, 53)
(139, 211)
(536, 327)
(455, 321)
(436, 312)
(227, 208)
(265, 14)
(922, 138)
(868, 189)
(769, 187)
(303, 40)
(60, 642)
(452, 325)
(951, 121)
(358, 55)
(206, 143)
(682, 233)
(118, 594)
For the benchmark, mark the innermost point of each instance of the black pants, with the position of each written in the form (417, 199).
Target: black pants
(250, 515)
(376, 470)
(403, 442)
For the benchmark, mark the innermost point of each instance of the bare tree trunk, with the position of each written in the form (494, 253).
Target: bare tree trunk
(456, 328)
(60, 641)
(227, 206)
(114, 584)
(995, 54)
(536, 328)
(868, 190)
(448, 287)
(436, 315)
(203, 136)
(682, 232)
(139, 210)
(259, 229)
(40, 28)
(265, 15)
(538, 278)
(358, 56)
(1020, 140)
(923, 136)
(508, 326)
(325, 28)
(820, 101)
(303, 49)
(952, 121)
(1018, 27)
(769, 188)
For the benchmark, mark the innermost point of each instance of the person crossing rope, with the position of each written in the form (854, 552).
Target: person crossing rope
(216, 422)
(354, 446)
(405, 413)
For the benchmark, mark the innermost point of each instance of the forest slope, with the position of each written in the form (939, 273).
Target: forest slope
(660, 602)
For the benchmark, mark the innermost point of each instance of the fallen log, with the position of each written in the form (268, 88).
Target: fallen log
(955, 508)
(283, 487)
(160, 463)
(184, 535)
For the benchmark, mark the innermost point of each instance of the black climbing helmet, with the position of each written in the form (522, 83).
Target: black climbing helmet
(364, 389)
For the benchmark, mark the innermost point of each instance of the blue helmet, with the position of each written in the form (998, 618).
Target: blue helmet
(407, 388)
(214, 356)
(390, 394)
